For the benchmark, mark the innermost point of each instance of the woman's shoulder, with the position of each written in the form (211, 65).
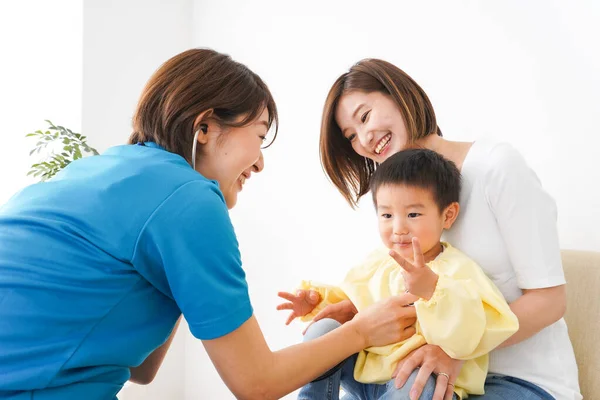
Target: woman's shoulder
(495, 153)
(490, 158)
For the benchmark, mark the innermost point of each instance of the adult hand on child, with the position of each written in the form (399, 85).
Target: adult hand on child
(419, 279)
(301, 303)
(429, 359)
(342, 312)
(387, 321)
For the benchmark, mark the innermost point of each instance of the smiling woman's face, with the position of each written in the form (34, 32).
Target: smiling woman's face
(373, 124)
(230, 156)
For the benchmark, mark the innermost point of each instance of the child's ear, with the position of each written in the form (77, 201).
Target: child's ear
(450, 214)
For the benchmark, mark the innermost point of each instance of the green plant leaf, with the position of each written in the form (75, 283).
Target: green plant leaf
(74, 144)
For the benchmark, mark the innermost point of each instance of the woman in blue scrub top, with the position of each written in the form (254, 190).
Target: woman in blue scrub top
(98, 264)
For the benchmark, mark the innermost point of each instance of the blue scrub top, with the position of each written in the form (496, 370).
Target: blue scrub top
(97, 264)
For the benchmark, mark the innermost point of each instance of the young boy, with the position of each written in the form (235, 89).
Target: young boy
(458, 308)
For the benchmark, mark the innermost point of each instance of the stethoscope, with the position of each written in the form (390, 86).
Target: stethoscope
(203, 128)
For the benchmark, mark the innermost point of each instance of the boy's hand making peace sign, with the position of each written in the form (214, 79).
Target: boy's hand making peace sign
(419, 279)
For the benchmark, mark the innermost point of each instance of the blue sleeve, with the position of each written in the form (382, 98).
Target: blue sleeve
(188, 250)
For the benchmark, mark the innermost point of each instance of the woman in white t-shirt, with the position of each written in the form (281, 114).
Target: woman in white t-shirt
(507, 224)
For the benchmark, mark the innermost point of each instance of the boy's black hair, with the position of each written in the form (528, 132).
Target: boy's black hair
(422, 168)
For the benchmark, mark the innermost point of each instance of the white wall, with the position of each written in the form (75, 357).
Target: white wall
(522, 72)
(124, 42)
(40, 78)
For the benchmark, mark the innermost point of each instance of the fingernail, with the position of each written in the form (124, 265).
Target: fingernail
(413, 395)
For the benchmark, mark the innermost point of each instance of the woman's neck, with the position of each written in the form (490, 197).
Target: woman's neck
(453, 151)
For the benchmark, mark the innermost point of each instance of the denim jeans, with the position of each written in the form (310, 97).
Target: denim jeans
(499, 387)
(327, 387)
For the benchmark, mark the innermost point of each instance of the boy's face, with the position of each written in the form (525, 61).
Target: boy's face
(405, 212)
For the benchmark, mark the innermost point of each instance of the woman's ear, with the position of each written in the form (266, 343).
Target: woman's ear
(450, 214)
(202, 123)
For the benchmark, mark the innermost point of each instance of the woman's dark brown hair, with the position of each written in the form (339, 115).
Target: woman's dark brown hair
(193, 82)
(348, 171)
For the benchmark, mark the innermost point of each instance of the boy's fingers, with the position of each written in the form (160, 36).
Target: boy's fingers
(287, 296)
(285, 306)
(290, 318)
(418, 253)
(405, 265)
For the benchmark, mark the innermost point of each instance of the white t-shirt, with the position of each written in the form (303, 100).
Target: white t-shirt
(507, 224)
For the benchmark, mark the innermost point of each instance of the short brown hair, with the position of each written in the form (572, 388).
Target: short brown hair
(193, 82)
(420, 168)
(348, 171)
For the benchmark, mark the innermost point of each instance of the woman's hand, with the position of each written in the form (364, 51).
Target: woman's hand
(342, 312)
(429, 359)
(301, 303)
(387, 321)
(419, 279)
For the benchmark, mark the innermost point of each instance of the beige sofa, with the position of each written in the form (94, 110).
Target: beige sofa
(582, 270)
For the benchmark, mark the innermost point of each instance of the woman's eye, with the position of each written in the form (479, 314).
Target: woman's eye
(364, 116)
(351, 137)
(413, 215)
(386, 216)
(263, 138)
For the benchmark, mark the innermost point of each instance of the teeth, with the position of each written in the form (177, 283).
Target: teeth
(383, 142)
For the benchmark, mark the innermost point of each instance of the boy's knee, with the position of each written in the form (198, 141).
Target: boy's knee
(428, 389)
(320, 328)
(403, 393)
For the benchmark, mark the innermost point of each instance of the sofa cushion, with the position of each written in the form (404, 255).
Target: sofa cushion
(582, 271)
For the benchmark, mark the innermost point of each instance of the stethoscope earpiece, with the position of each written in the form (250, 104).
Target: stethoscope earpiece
(204, 129)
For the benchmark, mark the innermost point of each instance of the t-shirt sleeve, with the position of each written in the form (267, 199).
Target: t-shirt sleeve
(188, 250)
(526, 217)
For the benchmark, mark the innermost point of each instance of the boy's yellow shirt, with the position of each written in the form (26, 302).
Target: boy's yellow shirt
(467, 316)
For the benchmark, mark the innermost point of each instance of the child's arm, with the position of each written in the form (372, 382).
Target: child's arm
(464, 313)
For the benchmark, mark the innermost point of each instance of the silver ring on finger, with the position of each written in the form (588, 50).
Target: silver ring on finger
(446, 375)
